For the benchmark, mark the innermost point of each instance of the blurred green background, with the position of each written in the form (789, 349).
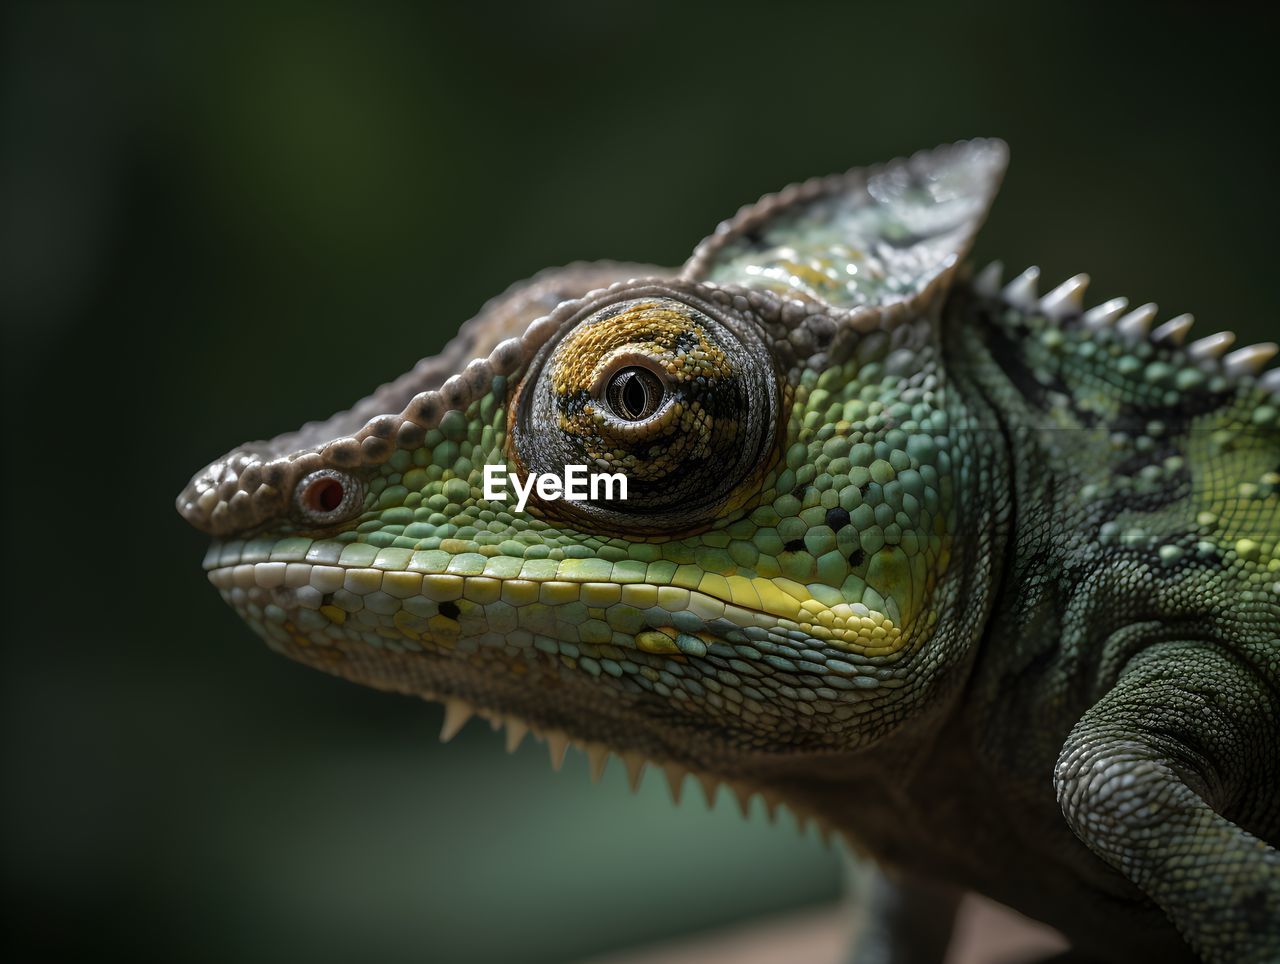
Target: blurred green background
(220, 222)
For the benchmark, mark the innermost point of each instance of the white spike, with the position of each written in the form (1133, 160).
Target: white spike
(744, 798)
(635, 764)
(516, 730)
(597, 758)
(1137, 323)
(1250, 359)
(557, 747)
(1212, 346)
(1067, 298)
(675, 774)
(1271, 381)
(1021, 291)
(456, 714)
(987, 281)
(1174, 331)
(1103, 315)
(709, 787)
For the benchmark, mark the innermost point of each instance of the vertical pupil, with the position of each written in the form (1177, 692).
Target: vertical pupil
(634, 393)
(634, 396)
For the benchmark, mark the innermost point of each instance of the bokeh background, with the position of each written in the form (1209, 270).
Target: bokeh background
(218, 222)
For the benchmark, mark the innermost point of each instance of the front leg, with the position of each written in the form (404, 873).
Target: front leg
(1187, 734)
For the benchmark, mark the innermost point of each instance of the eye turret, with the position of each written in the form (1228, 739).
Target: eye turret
(679, 398)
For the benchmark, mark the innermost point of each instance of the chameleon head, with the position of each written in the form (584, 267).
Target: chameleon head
(781, 575)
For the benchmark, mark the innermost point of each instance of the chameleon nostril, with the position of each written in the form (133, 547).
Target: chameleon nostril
(328, 496)
(325, 494)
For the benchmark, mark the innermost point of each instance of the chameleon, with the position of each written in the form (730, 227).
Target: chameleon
(984, 582)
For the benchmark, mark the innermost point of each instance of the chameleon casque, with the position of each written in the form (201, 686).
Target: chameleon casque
(984, 582)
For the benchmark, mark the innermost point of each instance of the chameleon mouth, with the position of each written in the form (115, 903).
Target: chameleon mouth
(303, 593)
(306, 608)
(336, 589)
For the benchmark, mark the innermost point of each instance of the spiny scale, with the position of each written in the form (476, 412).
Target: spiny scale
(1137, 323)
(635, 764)
(1213, 346)
(675, 774)
(1021, 291)
(1067, 300)
(516, 730)
(557, 747)
(709, 787)
(1174, 331)
(987, 281)
(457, 712)
(597, 759)
(1105, 314)
(1250, 359)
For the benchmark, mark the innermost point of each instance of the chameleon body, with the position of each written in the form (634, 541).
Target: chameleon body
(982, 581)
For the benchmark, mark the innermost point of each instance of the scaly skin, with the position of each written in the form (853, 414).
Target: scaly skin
(987, 584)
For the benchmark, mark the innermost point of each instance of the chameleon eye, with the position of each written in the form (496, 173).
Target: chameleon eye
(633, 393)
(681, 399)
(328, 496)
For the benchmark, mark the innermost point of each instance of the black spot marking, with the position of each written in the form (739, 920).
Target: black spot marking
(837, 518)
(795, 545)
(449, 610)
(857, 557)
(574, 402)
(326, 599)
(687, 341)
(862, 489)
(798, 491)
